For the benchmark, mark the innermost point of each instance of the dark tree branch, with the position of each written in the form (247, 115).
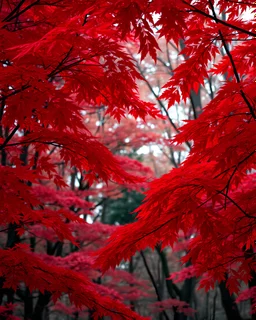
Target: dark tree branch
(153, 282)
(232, 62)
(195, 9)
(6, 19)
(162, 106)
(2, 146)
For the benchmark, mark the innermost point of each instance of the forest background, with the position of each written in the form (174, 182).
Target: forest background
(107, 107)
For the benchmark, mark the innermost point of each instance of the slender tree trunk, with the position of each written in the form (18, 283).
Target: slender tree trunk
(214, 304)
(228, 303)
(249, 254)
(12, 235)
(28, 304)
(151, 277)
(172, 289)
(252, 283)
(41, 311)
(186, 292)
(131, 270)
(186, 295)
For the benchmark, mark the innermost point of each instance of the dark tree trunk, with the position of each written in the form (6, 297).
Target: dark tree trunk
(186, 295)
(228, 303)
(151, 277)
(252, 283)
(28, 304)
(41, 310)
(131, 269)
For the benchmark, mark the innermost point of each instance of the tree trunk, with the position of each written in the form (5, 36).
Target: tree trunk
(41, 311)
(228, 303)
(252, 283)
(28, 304)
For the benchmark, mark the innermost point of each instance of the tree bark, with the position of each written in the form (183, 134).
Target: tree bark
(252, 283)
(41, 310)
(228, 303)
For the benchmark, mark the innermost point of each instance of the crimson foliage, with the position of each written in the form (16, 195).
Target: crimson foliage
(61, 57)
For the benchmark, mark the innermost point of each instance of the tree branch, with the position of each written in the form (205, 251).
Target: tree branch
(153, 282)
(2, 146)
(250, 33)
(232, 62)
